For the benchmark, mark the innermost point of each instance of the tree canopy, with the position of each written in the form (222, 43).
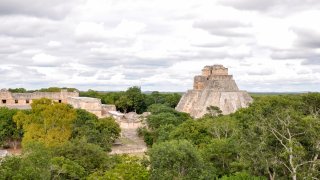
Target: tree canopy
(48, 122)
(9, 133)
(276, 137)
(102, 132)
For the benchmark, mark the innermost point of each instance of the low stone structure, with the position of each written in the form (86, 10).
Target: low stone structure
(215, 87)
(23, 101)
(92, 105)
(130, 142)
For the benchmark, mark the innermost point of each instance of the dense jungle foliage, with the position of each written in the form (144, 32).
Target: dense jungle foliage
(277, 137)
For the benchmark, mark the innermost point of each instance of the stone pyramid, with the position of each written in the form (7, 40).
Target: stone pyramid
(213, 88)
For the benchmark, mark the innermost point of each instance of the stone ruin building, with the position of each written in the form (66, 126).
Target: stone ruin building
(215, 87)
(128, 122)
(24, 100)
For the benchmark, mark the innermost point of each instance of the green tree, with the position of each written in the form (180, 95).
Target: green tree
(90, 93)
(63, 168)
(50, 89)
(214, 137)
(9, 134)
(111, 97)
(135, 96)
(311, 104)
(17, 90)
(168, 99)
(162, 120)
(242, 176)
(102, 132)
(149, 137)
(172, 99)
(163, 132)
(49, 122)
(160, 108)
(33, 164)
(193, 131)
(38, 162)
(280, 137)
(133, 99)
(107, 132)
(213, 111)
(57, 89)
(176, 160)
(221, 154)
(156, 120)
(124, 104)
(129, 168)
(154, 98)
(89, 156)
(162, 115)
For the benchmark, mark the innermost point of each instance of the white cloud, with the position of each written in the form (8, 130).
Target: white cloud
(43, 59)
(274, 33)
(92, 31)
(111, 45)
(54, 44)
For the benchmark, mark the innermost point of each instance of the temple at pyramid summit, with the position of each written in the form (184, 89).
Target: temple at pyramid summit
(215, 87)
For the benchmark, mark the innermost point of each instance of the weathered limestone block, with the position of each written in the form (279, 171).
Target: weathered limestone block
(106, 108)
(92, 105)
(213, 88)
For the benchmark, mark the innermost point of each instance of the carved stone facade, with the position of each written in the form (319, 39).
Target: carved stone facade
(215, 87)
(23, 101)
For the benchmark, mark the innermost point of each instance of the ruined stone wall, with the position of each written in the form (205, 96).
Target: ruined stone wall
(4, 94)
(5, 97)
(220, 77)
(8, 98)
(92, 105)
(219, 70)
(105, 108)
(214, 70)
(222, 85)
(25, 99)
(199, 82)
(206, 71)
(215, 82)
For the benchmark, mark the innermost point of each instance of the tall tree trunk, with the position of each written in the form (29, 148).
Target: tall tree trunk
(272, 174)
(293, 167)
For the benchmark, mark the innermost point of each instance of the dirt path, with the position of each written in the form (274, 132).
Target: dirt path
(131, 143)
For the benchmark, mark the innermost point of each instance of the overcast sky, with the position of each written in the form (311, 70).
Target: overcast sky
(268, 45)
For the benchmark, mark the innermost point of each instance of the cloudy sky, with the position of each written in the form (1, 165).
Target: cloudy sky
(160, 45)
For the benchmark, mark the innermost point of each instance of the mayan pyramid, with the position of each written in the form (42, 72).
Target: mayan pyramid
(215, 87)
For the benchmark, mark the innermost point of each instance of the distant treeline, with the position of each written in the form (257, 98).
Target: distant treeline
(50, 89)
(133, 99)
